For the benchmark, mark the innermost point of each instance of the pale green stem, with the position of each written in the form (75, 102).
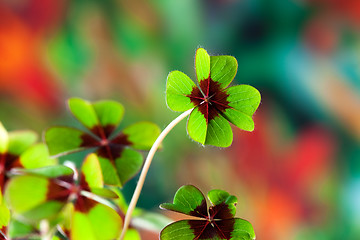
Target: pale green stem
(145, 169)
(44, 230)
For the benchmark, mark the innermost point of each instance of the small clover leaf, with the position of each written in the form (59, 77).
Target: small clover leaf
(213, 101)
(217, 222)
(118, 159)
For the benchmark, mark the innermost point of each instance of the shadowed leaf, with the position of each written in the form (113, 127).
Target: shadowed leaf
(36, 156)
(64, 140)
(49, 171)
(104, 192)
(111, 177)
(128, 164)
(142, 135)
(19, 229)
(45, 210)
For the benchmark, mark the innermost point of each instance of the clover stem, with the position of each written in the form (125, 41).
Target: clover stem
(145, 169)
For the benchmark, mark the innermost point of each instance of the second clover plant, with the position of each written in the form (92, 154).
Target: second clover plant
(117, 153)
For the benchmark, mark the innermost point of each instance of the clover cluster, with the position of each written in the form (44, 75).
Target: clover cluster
(43, 199)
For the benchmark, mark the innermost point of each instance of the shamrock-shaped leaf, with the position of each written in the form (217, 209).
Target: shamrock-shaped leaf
(43, 192)
(213, 101)
(118, 161)
(217, 222)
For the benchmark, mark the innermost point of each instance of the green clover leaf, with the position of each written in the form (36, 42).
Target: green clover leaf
(4, 218)
(118, 159)
(17, 150)
(217, 222)
(215, 104)
(44, 192)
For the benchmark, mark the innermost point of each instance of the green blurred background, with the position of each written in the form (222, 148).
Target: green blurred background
(297, 176)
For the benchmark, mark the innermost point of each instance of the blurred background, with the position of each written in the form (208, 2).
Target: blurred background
(297, 176)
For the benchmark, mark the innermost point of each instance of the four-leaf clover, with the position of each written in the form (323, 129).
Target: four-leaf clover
(217, 222)
(213, 101)
(118, 159)
(44, 193)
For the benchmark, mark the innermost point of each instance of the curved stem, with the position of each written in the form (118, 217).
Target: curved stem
(145, 169)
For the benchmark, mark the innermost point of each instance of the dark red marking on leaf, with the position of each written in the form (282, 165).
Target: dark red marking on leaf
(108, 148)
(196, 96)
(200, 211)
(220, 211)
(8, 161)
(83, 204)
(103, 132)
(67, 178)
(225, 227)
(83, 184)
(121, 139)
(208, 229)
(57, 192)
(202, 229)
(112, 149)
(89, 141)
(3, 231)
(211, 99)
(66, 232)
